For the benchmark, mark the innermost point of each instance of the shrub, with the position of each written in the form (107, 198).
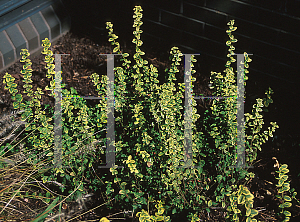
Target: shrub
(38, 147)
(155, 139)
(151, 145)
(284, 187)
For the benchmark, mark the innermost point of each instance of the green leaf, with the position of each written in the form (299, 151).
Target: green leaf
(287, 213)
(14, 85)
(160, 211)
(115, 49)
(50, 154)
(280, 190)
(16, 105)
(170, 192)
(209, 203)
(284, 166)
(285, 188)
(223, 204)
(287, 198)
(219, 178)
(19, 98)
(283, 177)
(253, 213)
(241, 199)
(249, 197)
(233, 29)
(248, 212)
(174, 211)
(160, 218)
(117, 180)
(236, 210)
(287, 204)
(235, 217)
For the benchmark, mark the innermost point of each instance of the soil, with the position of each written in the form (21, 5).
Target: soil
(83, 61)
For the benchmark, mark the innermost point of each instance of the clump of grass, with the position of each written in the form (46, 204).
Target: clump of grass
(23, 196)
(8, 125)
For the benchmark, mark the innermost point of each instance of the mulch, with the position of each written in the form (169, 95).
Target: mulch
(84, 60)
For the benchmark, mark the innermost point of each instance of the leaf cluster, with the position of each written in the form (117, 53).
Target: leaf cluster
(151, 123)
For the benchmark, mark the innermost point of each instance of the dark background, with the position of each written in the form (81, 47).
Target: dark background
(267, 29)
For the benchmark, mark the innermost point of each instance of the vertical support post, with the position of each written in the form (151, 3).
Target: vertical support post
(240, 150)
(110, 154)
(240, 113)
(110, 161)
(188, 141)
(57, 113)
(111, 149)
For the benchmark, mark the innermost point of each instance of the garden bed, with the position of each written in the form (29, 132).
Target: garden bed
(84, 60)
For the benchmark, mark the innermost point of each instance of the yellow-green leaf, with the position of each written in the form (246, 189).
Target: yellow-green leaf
(50, 154)
(249, 197)
(241, 199)
(284, 166)
(104, 219)
(160, 218)
(285, 188)
(287, 204)
(235, 217)
(223, 204)
(253, 213)
(117, 180)
(160, 211)
(248, 212)
(115, 49)
(233, 29)
(209, 203)
(236, 210)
